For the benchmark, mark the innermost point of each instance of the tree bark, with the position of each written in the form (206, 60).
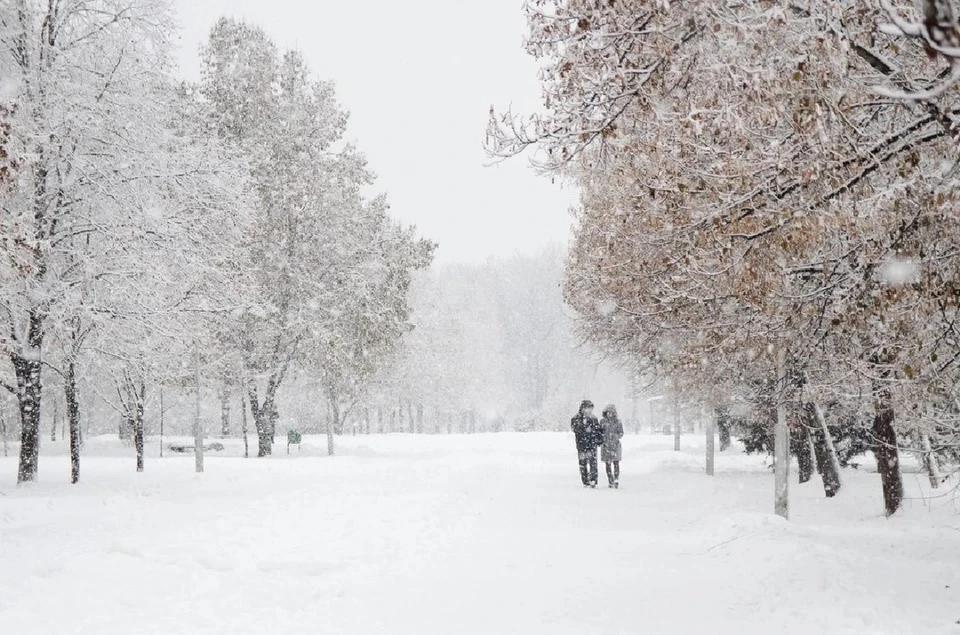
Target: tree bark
(800, 442)
(930, 462)
(335, 411)
(410, 419)
(676, 418)
(723, 428)
(3, 434)
(243, 425)
(262, 424)
(826, 454)
(420, 418)
(264, 418)
(273, 416)
(813, 450)
(141, 397)
(73, 417)
(27, 366)
(711, 433)
(197, 426)
(885, 447)
(225, 395)
(781, 447)
(56, 421)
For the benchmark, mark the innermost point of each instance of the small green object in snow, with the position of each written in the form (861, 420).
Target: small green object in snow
(293, 437)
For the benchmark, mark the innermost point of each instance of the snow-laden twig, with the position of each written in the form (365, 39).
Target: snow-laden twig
(940, 34)
(924, 95)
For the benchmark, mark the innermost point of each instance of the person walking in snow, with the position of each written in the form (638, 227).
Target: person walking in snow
(586, 430)
(611, 450)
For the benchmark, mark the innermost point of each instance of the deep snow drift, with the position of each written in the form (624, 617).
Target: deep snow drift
(465, 534)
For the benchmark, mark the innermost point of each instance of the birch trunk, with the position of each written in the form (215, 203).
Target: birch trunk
(781, 449)
(73, 417)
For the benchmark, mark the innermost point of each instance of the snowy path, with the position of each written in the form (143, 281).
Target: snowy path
(484, 534)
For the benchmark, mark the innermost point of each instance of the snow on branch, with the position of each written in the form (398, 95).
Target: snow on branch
(940, 35)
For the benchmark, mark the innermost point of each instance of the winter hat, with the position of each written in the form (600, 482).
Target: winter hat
(586, 403)
(610, 410)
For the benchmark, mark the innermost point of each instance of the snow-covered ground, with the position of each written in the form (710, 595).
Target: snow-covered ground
(464, 534)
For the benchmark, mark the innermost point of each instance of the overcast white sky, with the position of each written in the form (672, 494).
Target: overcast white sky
(418, 77)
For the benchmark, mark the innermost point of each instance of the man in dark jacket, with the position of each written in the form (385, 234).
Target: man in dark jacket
(589, 436)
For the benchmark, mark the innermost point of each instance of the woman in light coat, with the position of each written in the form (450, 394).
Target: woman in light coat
(611, 450)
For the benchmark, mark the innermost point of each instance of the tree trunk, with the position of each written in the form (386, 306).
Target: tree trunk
(197, 425)
(56, 421)
(410, 420)
(723, 428)
(380, 419)
(781, 447)
(243, 425)
(3, 434)
(885, 447)
(800, 447)
(273, 416)
(225, 395)
(473, 421)
(420, 418)
(827, 462)
(813, 448)
(163, 413)
(73, 416)
(141, 397)
(264, 439)
(711, 433)
(335, 411)
(27, 367)
(930, 462)
(676, 419)
(261, 421)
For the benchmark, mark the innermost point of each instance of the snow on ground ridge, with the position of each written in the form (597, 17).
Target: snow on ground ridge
(471, 534)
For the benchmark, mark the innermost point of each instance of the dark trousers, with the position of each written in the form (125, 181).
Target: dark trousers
(589, 472)
(613, 472)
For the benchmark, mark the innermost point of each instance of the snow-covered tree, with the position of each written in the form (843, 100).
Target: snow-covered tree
(316, 239)
(371, 309)
(80, 80)
(735, 208)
